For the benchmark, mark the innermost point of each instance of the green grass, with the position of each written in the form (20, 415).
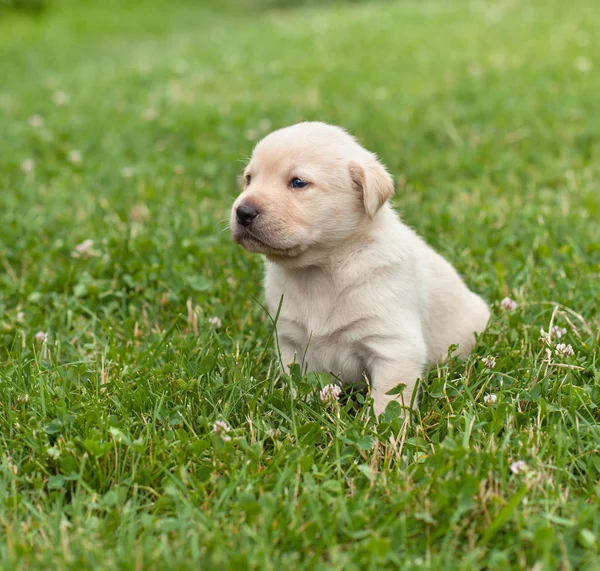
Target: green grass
(487, 114)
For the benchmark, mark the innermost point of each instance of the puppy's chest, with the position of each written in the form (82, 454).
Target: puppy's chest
(323, 328)
(314, 309)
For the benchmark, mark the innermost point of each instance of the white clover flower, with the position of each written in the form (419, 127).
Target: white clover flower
(127, 172)
(10, 464)
(28, 165)
(149, 114)
(215, 321)
(583, 64)
(489, 362)
(518, 467)
(508, 304)
(221, 428)
(544, 336)
(83, 250)
(274, 433)
(75, 157)
(139, 213)
(21, 316)
(490, 399)
(265, 125)
(40, 337)
(61, 98)
(564, 350)
(23, 398)
(330, 394)
(53, 452)
(554, 331)
(36, 121)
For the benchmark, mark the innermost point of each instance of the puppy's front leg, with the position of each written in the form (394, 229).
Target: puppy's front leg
(385, 375)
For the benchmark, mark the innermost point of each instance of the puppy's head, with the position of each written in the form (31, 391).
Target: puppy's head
(307, 188)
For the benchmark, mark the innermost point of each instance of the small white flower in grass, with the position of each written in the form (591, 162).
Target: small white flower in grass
(75, 157)
(564, 350)
(518, 467)
(27, 165)
(178, 169)
(215, 321)
(583, 64)
(23, 398)
(11, 465)
(149, 114)
(265, 125)
(274, 433)
(555, 331)
(139, 213)
(489, 362)
(53, 452)
(40, 337)
(61, 98)
(508, 304)
(490, 399)
(330, 394)
(221, 428)
(127, 172)
(21, 316)
(36, 121)
(544, 336)
(83, 250)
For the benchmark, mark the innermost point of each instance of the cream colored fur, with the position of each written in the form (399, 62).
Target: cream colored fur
(362, 294)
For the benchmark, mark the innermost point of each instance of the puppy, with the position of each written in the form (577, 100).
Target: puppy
(362, 296)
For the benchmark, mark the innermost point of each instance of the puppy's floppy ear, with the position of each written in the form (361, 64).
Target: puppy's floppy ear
(374, 182)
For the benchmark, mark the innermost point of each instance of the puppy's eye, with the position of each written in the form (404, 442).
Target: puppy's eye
(298, 183)
(248, 179)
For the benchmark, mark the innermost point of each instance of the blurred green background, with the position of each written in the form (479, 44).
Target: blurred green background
(126, 124)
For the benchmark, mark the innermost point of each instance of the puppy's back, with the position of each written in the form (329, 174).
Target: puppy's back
(454, 314)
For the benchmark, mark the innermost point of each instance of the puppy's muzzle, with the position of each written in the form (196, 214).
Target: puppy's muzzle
(246, 214)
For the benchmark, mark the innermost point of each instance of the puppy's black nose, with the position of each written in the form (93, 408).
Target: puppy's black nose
(246, 213)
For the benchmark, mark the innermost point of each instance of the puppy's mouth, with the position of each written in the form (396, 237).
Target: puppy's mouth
(253, 243)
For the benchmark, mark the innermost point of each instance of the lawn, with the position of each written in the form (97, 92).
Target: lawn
(130, 324)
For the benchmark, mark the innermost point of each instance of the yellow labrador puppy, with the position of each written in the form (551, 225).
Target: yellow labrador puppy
(362, 294)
